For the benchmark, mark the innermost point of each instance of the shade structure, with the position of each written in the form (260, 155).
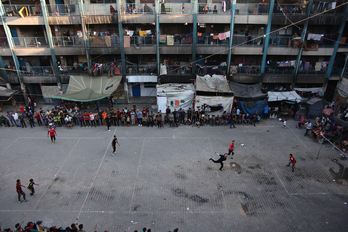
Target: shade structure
(284, 96)
(88, 88)
(247, 92)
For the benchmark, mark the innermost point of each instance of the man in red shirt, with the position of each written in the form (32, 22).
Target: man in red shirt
(118, 117)
(20, 191)
(38, 118)
(52, 132)
(86, 116)
(231, 149)
(144, 112)
(292, 161)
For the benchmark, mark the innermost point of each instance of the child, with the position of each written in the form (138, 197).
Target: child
(284, 125)
(31, 186)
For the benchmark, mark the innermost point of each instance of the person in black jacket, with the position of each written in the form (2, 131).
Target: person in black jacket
(221, 160)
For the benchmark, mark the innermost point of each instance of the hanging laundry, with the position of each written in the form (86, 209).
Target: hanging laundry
(126, 41)
(306, 66)
(142, 33)
(343, 40)
(317, 66)
(129, 32)
(108, 41)
(222, 36)
(333, 5)
(170, 40)
(316, 37)
(148, 32)
(199, 34)
(228, 34)
(223, 6)
(162, 38)
(215, 36)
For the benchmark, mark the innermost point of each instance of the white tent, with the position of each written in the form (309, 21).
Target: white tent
(215, 83)
(175, 96)
(284, 96)
(218, 104)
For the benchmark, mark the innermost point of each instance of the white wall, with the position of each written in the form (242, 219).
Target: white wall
(143, 91)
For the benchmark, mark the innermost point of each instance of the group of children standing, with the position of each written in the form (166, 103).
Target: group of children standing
(20, 191)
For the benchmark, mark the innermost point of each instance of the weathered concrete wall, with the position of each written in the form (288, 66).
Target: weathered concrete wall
(37, 51)
(176, 50)
(32, 20)
(176, 18)
(5, 52)
(251, 19)
(240, 50)
(271, 78)
(98, 51)
(282, 51)
(101, 19)
(61, 20)
(37, 79)
(142, 50)
(12, 79)
(311, 79)
(138, 18)
(212, 49)
(60, 51)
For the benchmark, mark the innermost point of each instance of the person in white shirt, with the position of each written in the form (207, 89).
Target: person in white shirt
(308, 127)
(68, 121)
(207, 110)
(91, 119)
(15, 117)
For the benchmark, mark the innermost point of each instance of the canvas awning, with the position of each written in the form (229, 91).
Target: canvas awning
(5, 92)
(215, 83)
(247, 92)
(284, 96)
(88, 88)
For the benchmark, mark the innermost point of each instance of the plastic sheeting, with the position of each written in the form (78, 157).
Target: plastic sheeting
(284, 96)
(312, 90)
(215, 83)
(315, 108)
(220, 102)
(247, 92)
(177, 96)
(342, 89)
(87, 88)
(252, 107)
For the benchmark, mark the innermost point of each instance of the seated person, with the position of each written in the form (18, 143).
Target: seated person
(197, 124)
(206, 119)
(217, 120)
(240, 118)
(246, 119)
(224, 119)
(188, 121)
(212, 120)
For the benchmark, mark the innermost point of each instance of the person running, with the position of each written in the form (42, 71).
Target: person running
(292, 161)
(221, 160)
(52, 132)
(31, 186)
(231, 149)
(113, 144)
(20, 191)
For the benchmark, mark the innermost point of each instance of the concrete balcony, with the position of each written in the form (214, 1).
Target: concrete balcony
(32, 20)
(251, 19)
(37, 79)
(5, 52)
(276, 78)
(176, 49)
(320, 79)
(177, 18)
(246, 50)
(140, 50)
(64, 20)
(138, 18)
(212, 49)
(35, 51)
(101, 19)
(105, 50)
(69, 51)
(245, 79)
(214, 18)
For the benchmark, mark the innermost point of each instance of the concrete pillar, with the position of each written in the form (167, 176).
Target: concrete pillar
(50, 41)
(194, 38)
(120, 31)
(84, 32)
(158, 55)
(266, 41)
(233, 16)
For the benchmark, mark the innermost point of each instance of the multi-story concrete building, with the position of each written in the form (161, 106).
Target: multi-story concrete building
(250, 41)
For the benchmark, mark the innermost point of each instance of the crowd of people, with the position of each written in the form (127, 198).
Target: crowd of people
(74, 227)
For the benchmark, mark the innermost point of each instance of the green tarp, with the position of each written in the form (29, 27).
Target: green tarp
(88, 88)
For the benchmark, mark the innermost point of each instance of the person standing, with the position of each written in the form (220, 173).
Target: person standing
(139, 116)
(221, 160)
(91, 119)
(31, 186)
(284, 124)
(133, 117)
(86, 116)
(266, 112)
(15, 118)
(31, 119)
(159, 120)
(292, 161)
(171, 120)
(233, 120)
(231, 149)
(113, 144)
(52, 132)
(108, 122)
(20, 191)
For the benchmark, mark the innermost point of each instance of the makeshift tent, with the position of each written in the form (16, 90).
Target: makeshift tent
(247, 92)
(250, 107)
(218, 104)
(342, 89)
(314, 108)
(215, 83)
(5, 92)
(88, 88)
(284, 96)
(175, 96)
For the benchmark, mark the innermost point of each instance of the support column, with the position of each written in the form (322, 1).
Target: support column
(344, 67)
(50, 41)
(84, 32)
(120, 32)
(337, 43)
(194, 38)
(11, 45)
(304, 31)
(266, 41)
(233, 16)
(158, 55)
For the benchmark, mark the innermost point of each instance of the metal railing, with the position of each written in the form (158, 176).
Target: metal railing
(310, 72)
(290, 9)
(4, 42)
(179, 40)
(288, 70)
(212, 8)
(320, 6)
(279, 41)
(246, 70)
(32, 9)
(104, 41)
(72, 70)
(252, 9)
(68, 41)
(148, 40)
(141, 69)
(63, 9)
(100, 9)
(37, 71)
(30, 42)
(178, 69)
(210, 41)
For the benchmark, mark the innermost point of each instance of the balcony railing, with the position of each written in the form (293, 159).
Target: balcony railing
(31, 9)
(249, 70)
(104, 41)
(100, 9)
(289, 70)
(178, 69)
(290, 9)
(141, 69)
(147, 40)
(252, 9)
(68, 41)
(30, 42)
(72, 70)
(4, 42)
(63, 9)
(279, 41)
(212, 8)
(37, 71)
(310, 72)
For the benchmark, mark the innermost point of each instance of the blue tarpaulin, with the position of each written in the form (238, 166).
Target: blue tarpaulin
(250, 107)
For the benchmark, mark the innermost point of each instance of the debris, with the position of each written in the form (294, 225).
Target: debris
(334, 180)
(134, 222)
